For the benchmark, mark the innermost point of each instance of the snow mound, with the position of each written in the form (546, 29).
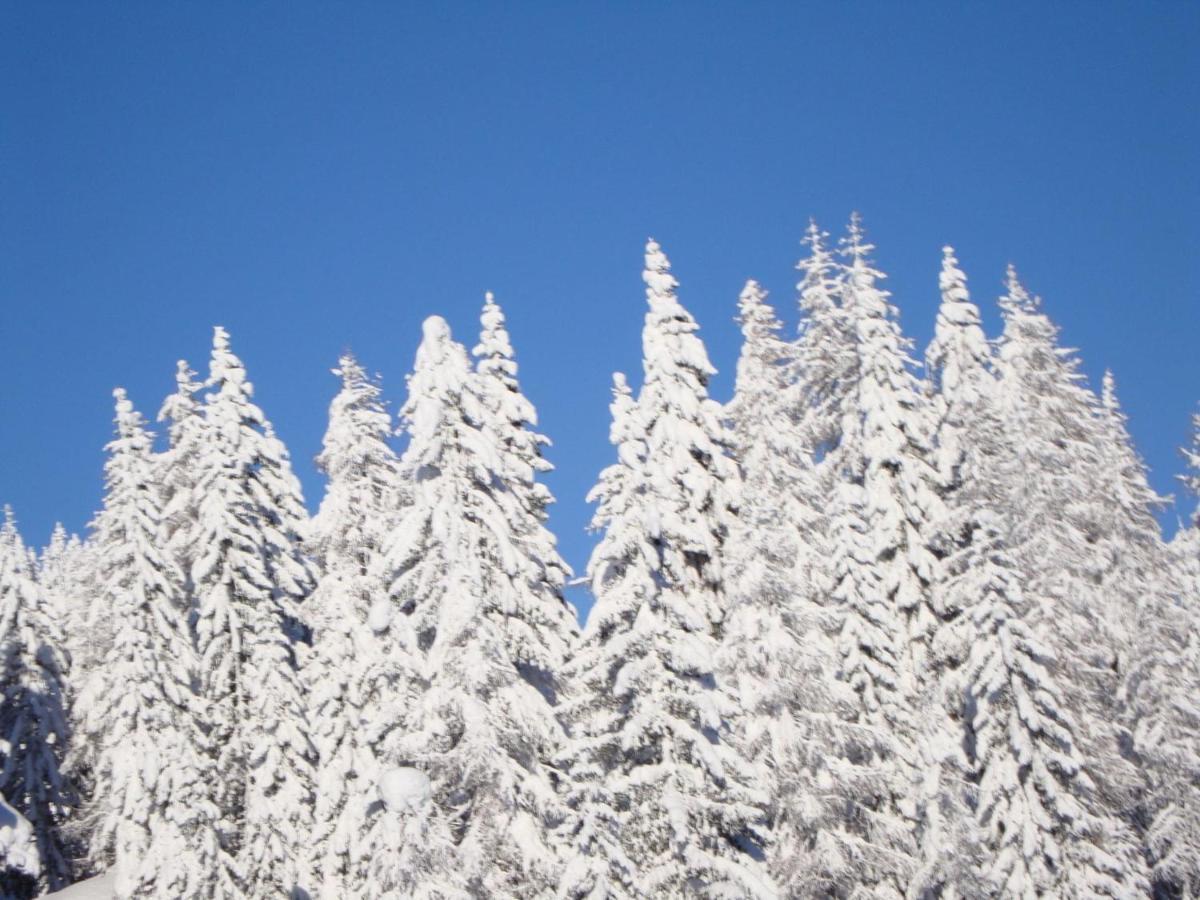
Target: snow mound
(102, 887)
(405, 789)
(17, 848)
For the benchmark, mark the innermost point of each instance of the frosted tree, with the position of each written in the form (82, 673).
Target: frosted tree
(152, 815)
(358, 672)
(33, 724)
(653, 774)
(825, 357)
(540, 623)
(483, 732)
(880, 559)
(776, 655)
(248, 577)
(973, 463)
(179, 469)
(1160, 688)
(1040, 835)
(1056, 521)
(66, 571)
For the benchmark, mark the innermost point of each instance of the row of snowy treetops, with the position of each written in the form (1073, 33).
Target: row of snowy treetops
(868, 629)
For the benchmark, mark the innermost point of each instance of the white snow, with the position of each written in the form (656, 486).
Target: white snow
(405, 789)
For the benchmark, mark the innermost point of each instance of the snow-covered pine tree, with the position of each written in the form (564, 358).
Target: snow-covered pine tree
(179, 469)
(969, 454)
(248, 576)
(152, 814)
(1161, 686)
(660, 798)
(541, 625)
(881, 562)
(33, 724)
(485, 734)
(1056, 518)
(358, 674)
(825, 358)
(66, 575)
(776, 655)
(1040, 837)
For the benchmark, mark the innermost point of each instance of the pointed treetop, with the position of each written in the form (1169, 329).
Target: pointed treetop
(224, 366)
(855, 244)
(660, 283)
(494, 342)
(1016, 298)
(757, 318)
(348, 369)
(952, 281)
(1108, 392)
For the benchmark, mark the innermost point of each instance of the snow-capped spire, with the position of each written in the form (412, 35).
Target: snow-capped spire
(660, 283)
(33, 722)
(645, 675)
(154, 821)
(458, 568)
(249, 576)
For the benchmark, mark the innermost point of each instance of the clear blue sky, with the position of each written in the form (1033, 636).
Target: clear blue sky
(322, 176)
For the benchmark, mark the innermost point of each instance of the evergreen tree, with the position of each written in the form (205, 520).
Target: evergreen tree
(648, 719)
(541, 625)
(357, 672)
(153, 814)
(970, 456)
(1056, 509)
(1161, 686)
(1040, 837)
(776, 655)
(483, 731)
(248, 577)
(881, 562)
(33, 723)
(179, 468)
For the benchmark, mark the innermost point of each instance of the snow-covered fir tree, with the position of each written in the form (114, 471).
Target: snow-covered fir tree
(357, 674)
(484, 729)
(152, 814)
(969, 454)
(541, 625)
(248, 577)
(776, 654)
(66, 571)
(1055, 523)
(1161, 686)
(661, 800)
(33, 723)
(881, 562)
(178, 469)
(1039, 834)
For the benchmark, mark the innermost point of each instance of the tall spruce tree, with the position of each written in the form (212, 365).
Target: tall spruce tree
(358, 673)
(248, 577)
(1039, 835)
(179, 468)
(1056, 522)
(776, 654)
(152, 813)
(34, 732)
(653, 772)
(1161, 685)
(881, 560)
(484, 732)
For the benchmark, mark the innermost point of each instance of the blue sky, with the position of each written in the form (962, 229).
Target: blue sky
(323, 176)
